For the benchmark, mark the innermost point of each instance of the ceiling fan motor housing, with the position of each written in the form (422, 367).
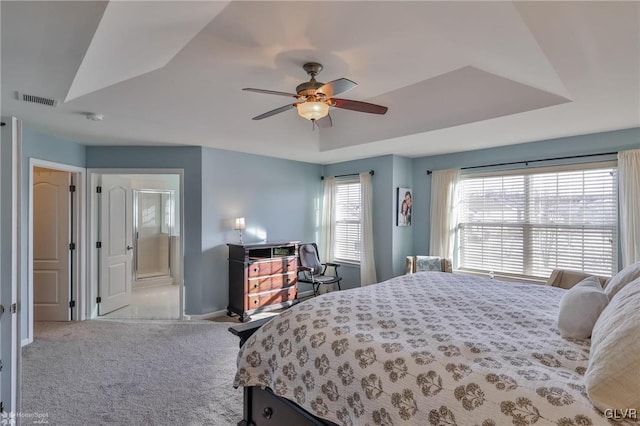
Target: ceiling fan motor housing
(309, 88)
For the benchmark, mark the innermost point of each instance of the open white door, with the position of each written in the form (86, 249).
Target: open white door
(10, 335)
(116, 254)
(51, 217)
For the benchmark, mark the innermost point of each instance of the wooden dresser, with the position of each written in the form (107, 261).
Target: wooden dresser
(262, 277)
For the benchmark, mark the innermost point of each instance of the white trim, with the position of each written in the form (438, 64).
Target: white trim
(474, 173)
(80, 232)
(207, 316)
(92, 209)
(307, 293)
(499, 277)
(218, 314)
(16, 264)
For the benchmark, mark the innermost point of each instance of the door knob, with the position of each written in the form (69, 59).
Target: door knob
(129, 248)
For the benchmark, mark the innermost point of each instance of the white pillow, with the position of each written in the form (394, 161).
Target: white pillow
(613, 375)
(621, 279)
(580, 308)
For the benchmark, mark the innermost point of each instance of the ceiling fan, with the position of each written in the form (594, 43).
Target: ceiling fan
(315, 98)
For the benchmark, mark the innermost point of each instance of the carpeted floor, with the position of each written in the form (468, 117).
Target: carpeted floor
(131, 373)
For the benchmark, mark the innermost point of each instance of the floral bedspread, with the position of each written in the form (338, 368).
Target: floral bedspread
(430, 348)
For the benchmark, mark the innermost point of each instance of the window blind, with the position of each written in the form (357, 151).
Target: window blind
(533, 222)
(348, 229)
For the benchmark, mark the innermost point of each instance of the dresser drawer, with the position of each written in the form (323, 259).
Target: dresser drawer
(271, 282)
(259, 269)
(283, 266)
(259, 300)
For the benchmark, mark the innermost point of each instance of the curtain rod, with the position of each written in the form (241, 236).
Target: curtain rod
(371, 172)
(526, 163)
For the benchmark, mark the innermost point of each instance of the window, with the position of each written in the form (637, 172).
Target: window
(529, 223)
(348, 230)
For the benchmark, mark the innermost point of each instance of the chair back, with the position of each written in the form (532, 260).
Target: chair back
(308, 257)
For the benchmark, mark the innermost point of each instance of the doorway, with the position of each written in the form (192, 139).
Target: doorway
(153, 212)
(56, 261)
(52, 250)
(137, 269)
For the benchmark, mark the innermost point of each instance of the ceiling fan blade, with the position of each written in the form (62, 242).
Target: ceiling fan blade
(358, 106)
(336, 87)
(270, 92)
(324, 122)
(274, 112)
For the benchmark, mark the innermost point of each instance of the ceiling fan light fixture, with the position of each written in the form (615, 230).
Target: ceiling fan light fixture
(312, 110)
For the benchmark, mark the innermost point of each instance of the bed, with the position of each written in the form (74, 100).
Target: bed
(429, 348)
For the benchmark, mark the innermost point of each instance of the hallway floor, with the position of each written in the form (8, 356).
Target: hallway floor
(162, 302)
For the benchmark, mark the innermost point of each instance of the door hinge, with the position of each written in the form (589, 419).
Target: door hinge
(72, 188)
(98, 299)
(99, 244)
(14, 308)
(1, 365)
(99, 189)
(72, 246)
(1, 310)
(2, 403)
(72, 304)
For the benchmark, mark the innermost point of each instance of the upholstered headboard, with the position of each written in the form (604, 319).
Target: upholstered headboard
(565, 278)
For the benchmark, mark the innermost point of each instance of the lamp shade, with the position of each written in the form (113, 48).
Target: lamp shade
(312, 110)
(239, 223)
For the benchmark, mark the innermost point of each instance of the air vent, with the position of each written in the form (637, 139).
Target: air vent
(37, 100)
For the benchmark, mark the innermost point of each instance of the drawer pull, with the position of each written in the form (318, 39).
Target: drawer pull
(267, 413)
(256, 285)
(255, 302)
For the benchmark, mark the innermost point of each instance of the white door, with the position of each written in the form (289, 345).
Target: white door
(51, 218)
(116, 254)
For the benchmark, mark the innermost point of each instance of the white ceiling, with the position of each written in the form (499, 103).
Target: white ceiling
(455, 75)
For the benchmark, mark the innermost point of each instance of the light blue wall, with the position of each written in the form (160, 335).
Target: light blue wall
(190, 160)
(279, 200)
(279, 197)
(383, 213)
(597, 143)
(40, 146)
(282, 197)
(402, 235)
(391, 243)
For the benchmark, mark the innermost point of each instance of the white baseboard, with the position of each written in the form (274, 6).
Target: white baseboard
(223, 312)
(307, 293)
(26, 342)
(152, 282)
(207, 316)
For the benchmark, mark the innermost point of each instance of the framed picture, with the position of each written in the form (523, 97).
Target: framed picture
(404, 206)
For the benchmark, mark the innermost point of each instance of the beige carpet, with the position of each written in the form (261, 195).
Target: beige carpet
(131, 373)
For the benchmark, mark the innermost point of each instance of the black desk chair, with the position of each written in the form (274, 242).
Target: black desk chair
(311, 271)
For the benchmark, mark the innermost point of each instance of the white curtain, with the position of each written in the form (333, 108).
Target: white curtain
(444, 204)
(328, 213)
(629, 200)
(367, 263)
